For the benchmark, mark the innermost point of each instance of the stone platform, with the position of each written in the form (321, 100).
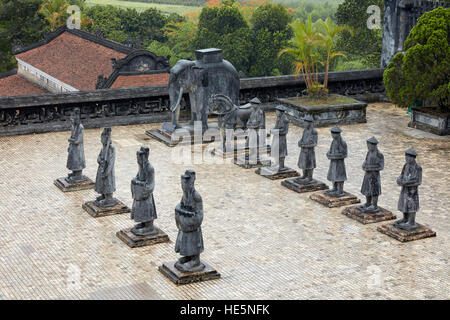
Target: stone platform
(297, 186)
(184, 135)
(239, 151)
(421, 232)
(97, 211)
(356, 214)
(333, 202)
(266, 172)
(247, 164)
(134, 241)
(178, 277)
(350, 112)
(65, 186)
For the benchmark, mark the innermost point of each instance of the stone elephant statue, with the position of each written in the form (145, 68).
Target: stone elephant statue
(207, 75)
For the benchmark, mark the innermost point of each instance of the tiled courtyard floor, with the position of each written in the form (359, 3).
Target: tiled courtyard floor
(267, 242)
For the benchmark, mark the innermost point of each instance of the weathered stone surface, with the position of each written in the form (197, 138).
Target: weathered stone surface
(246, 163)
(333, 202)
(429, 120)
(183, 136)
(356, 214)
(97, 211)
(134, 241)
(297, 185)
(139, 105)
(62, 184)
(325, 115)
(268, 173)
(421, 232)
(178, 277)
(238, 151)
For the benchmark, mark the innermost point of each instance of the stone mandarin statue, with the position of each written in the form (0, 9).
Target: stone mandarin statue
(143, 211)
(76, 161)
(307, 158)
(336, 172)
(188, 218)
(409, 180)
(279, 144)
(105, 183)
(371, 186)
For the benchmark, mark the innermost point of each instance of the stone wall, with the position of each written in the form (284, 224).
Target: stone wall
(123, 106)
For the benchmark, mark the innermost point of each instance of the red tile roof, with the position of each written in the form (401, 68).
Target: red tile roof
(126, 81)
(15, 85)
(73, 60)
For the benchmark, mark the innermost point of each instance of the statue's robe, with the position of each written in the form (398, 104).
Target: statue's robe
(411, 178)
(280, 145)
(372, 166)
(190, 239)
(336, 171)
(144, 209)
(307, 158)
(76, 160)
(105, 160)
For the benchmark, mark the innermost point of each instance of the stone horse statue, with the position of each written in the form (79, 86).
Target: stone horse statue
(231, 116)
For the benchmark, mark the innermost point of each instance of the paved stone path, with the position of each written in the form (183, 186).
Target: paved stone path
(267, 241)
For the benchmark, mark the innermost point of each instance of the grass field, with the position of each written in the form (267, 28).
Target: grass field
(141, 6)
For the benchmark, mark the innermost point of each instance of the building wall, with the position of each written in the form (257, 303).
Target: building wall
(42, 79)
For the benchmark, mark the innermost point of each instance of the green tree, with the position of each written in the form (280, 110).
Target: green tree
(423, 71)
(270, 33)
(55, 12)
(329, 33)
(119, 24)
(224, 27)
(19, 20)
(304, 48)
(365, 43)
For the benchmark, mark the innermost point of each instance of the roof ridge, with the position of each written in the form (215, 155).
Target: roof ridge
(8, 73)
(80, 33)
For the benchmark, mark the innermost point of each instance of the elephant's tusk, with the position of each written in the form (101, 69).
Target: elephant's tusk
(178, 101)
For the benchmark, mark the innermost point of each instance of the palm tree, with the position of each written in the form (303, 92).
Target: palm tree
(329, 32)
(303, 46)
(55, 12)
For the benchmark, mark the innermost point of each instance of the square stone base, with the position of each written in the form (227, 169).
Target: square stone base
(365, 218)
(96, 211)
(266, 172)
(65, 186)
(333, 202)
(297, 186)
(421, 232)
(247, 164)
(239, 151)
(178, 277)
(134, 241)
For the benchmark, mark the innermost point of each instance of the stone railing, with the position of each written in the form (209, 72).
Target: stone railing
(110, 107)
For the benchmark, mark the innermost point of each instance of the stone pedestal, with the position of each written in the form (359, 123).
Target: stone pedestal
(239, 151)
(97, 211)
(356, 214)
(269, 173)
(178, 277)
(134, 241)
(65, 186)
(333, 202)
(184, 135)
(247, 163)
(301, 187)
(404, 235)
